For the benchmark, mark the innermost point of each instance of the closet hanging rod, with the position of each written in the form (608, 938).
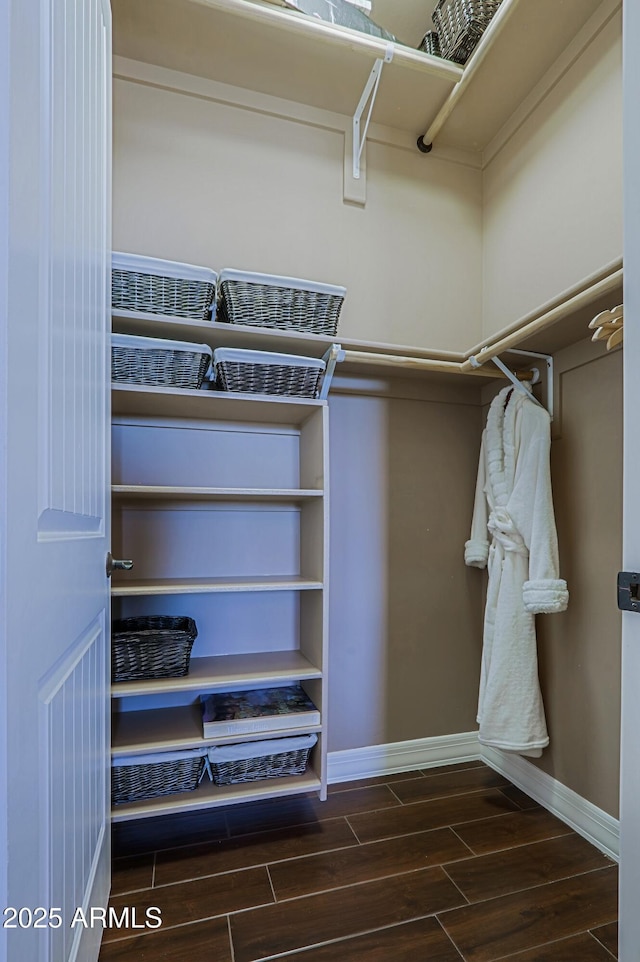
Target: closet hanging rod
(545, 320)
(425, 141)
(406, 362)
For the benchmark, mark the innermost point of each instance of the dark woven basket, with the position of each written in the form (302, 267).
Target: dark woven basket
(159, 366)
(153, 294)
(460, 25)
(132, 782)
(283, 308)
(155, 646)
(263, 766)
(284, 379)
(430, 43)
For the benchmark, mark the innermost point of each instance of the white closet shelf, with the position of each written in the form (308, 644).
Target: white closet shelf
(196, 586)
(284, 54)
(217, 334)
(227, 672)
(158, 492)
(169, 729)
(134, 399)
(291, 56)
(208, 795)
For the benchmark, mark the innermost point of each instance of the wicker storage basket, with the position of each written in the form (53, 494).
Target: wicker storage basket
(251, 761)
(260, 372)
(154, 286)
(157, 362)
(164, 773)
(430, 43)
(286, 303)
(460, 24)
(155, 646)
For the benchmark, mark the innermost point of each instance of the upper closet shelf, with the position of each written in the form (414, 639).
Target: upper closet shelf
(275, 51)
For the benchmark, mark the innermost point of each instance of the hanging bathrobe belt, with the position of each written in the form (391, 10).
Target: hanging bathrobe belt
(505, 532)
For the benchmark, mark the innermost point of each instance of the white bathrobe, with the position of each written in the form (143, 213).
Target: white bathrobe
(513, 533)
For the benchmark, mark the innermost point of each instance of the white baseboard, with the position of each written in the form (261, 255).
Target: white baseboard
(597, 826)
(346, 766)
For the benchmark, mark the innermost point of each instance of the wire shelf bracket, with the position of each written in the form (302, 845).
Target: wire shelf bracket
(548, 370)
(368, 96)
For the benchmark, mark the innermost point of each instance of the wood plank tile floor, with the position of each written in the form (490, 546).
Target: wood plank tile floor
(443, 865)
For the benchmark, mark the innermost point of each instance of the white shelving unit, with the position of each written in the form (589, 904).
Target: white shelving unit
(222, 503)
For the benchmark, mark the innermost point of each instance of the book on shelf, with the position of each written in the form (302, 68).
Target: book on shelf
(257, 710)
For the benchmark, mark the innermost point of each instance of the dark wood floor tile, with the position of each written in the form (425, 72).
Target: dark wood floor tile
(456, 767)
(519, 797)
(193, 901)
(282, 812)
(514, 923)
(167, 831)
(374, 780)
(131, 873)
(289, 926)
(608, 935)
(492, 834)
(202, 942)
(510, 870)
(318, 873)
(403, 776)
(196, 861)
(451, 783)
(579, 948)
(419, 941)
(436, 813)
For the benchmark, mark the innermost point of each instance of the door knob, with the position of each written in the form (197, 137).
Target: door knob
(117, 564)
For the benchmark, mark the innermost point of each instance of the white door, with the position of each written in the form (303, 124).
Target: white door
(55, 63)
(629, 948)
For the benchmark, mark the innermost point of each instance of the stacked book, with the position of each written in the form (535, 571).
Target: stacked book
(257, 710)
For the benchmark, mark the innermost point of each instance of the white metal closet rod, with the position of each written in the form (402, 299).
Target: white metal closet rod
(421, 364)
(488, 38)
(545, 320)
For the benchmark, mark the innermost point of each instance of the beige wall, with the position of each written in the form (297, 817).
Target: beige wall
(406, 614)
(553, 193)
(213, 184)
(579, 650)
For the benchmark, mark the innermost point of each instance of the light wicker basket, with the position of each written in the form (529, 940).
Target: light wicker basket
(430, 43)
(285, 303)
(153, 286)
(251, 761)
(460, 25)
(158, 362)
(261, 372)
(163, 773)
(153, 646)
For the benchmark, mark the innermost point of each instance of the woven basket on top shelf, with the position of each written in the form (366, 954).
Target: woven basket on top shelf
(282, 756)
(262, 372)
(460, 25)
(153, 286)
(430, 43)
(155, 646)
(158, 362)
(284, 303)
(151, 776)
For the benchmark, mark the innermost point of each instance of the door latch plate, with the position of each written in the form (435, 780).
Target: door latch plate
(629, 591)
